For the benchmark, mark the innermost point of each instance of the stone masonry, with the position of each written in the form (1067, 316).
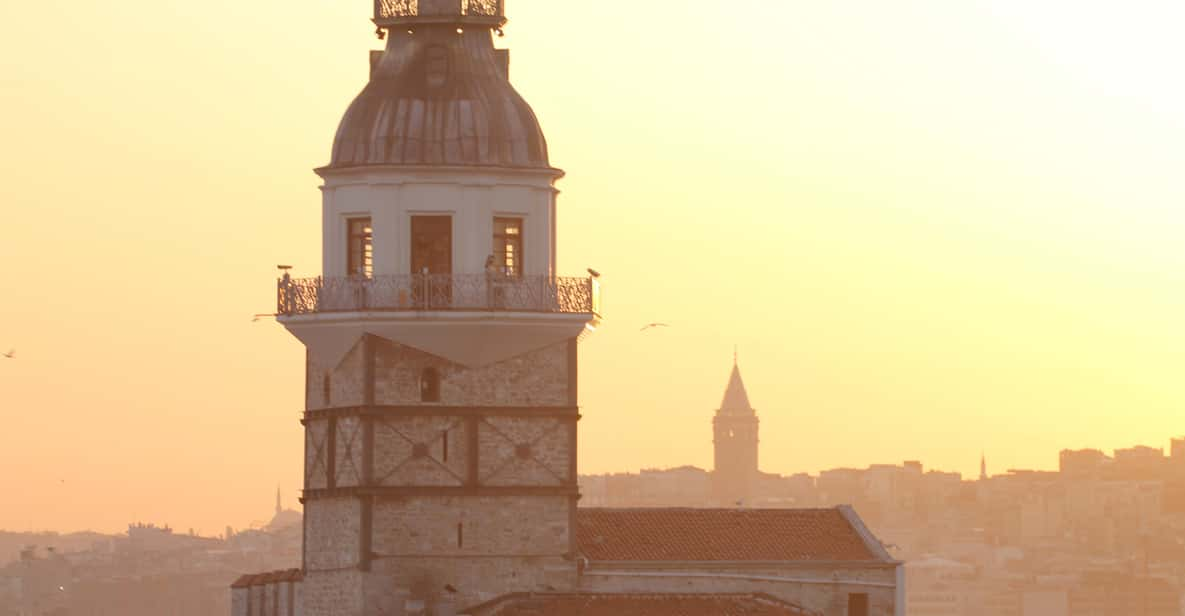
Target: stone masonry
(413, 502)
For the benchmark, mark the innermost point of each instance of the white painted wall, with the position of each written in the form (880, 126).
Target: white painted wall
(473, 197)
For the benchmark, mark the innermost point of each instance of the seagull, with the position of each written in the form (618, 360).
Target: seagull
(653, 325)
(11, 354)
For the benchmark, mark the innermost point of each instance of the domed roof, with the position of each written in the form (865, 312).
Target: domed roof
(284, 519)
(438, 97)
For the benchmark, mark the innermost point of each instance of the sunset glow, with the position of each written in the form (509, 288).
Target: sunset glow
(931, 229)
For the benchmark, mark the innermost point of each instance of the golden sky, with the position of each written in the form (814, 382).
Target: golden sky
(933, 229)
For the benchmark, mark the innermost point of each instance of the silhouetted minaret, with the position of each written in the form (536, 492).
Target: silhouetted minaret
(279, 508)
(983, 466)
(735, 440)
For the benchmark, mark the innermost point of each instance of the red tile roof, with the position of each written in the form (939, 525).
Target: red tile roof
(590, 604)
(272, 577)
(721, 535)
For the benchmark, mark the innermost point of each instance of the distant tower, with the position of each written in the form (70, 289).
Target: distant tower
(441, 364)
(983, 467)
(279, 509)
(735, 440)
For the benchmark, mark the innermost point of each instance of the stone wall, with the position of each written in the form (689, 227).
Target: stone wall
(826, 592)
(438, 519)
(333, 593)
(488, 526)
(239, 602)
(348, 447)
(316, 454)
(433, 451)
(526, 451)
(276, 599)
(393, 583)
(331, 536)
(345, 379)
(481, 547)
(537, 378)
(442, 458)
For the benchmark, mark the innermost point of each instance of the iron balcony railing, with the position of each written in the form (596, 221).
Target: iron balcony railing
(438, 292)
(395, 10)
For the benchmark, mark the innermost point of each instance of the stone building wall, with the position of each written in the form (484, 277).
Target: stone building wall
(826, 593)
(333, 593)
(526, 451)
(345, 378)
(537, 378)
(406, 498)
(443, 457)
(393, 583)
(316, 455)
(466, 527)
(275, 599)
(239, 602)
(332, 527)
(481, 547)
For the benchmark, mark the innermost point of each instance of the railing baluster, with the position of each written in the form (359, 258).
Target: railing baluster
(410, 292)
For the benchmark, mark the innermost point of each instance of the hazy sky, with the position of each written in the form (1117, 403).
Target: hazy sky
(933, 228)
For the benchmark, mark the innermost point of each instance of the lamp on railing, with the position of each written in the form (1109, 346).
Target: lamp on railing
(284, 301)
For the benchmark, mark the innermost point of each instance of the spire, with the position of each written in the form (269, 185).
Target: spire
(278, 507)
(983, 466)
(736, 399)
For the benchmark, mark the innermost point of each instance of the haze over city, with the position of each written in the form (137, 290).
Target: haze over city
(931, 229)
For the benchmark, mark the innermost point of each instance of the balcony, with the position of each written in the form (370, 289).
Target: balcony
(392, 12)
(438, 292)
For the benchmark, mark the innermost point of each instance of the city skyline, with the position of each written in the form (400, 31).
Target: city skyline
(1022, 301)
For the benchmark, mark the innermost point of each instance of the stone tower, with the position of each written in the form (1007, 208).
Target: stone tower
(441, 407)
(735, 439)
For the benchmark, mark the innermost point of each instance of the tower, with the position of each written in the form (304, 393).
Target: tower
(441, 362)
(735, 440)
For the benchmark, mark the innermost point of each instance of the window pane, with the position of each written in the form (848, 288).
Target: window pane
(359, 247)
(508, 245)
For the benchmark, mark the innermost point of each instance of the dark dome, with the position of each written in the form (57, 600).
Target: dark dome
(437, 97)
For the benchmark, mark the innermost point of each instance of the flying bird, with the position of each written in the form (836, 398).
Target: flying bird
(653, 325)
(11, 354)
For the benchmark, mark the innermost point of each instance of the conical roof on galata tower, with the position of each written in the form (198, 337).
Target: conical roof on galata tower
(736, 399)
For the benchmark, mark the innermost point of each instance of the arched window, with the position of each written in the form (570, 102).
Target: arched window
(430, 385)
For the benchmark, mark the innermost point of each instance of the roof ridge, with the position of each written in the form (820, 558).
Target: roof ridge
(503, 602)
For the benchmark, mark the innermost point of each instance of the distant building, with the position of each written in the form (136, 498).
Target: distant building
(735, 440)
(1083, 463)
